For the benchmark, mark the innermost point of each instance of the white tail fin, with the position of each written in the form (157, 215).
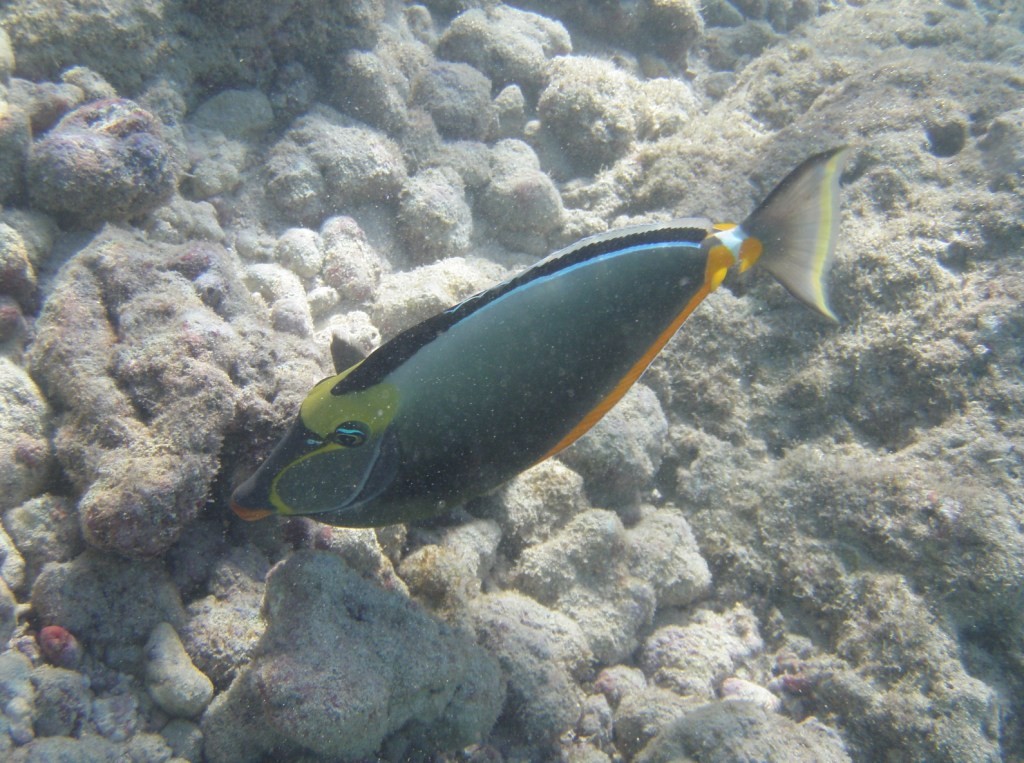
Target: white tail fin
(797, 226)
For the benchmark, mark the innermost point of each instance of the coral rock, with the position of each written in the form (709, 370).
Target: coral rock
(508, 45)
(621, 455)
(727, 731)
(521, 202)
(142, 344)
(323, 164)
(174, 683)
(24, 451)
(543, 655)
(109, 603)
(238, 114)
(695, 657)
(15, 142)
(458, 97)
(434, 219)
(583, 572)
(593, 109)
(224, 627)
(106, 160)
(350, 263)
(63, 701)
(365, 665)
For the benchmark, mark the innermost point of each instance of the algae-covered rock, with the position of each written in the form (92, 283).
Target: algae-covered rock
(434, 219)
(44, 529)
(521, 202)
(15, 144)
(324, 163)
(593, 110)
(535, 504)
(693, 658)
(621, 455)
(237, 114)
(458, 97)
(174, 683)
(25, 457)
(509, 45)
(125, 42)
(542, 654)
(582, 572)
(223, 628)
(63, 701)
(17, 697)
(112, 605)
(145, 348)
(720, 732)
(106, 160)
(366, 665)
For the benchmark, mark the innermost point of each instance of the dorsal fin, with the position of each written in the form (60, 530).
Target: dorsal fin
(344, 354)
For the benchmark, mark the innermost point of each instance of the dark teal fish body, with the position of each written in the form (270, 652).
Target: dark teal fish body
(460, 403)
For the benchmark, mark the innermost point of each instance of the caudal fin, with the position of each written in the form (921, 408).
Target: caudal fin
(797, 226)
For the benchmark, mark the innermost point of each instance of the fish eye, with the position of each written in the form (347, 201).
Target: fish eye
(351, 434)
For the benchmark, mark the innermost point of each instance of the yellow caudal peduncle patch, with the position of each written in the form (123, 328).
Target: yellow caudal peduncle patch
(720, 259)
(750, 253)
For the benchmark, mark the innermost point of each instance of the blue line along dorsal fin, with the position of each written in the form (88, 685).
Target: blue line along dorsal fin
(797, 226)
(404, 345)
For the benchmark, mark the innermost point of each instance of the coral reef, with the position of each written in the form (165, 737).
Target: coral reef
(143, 422)
(792, 541)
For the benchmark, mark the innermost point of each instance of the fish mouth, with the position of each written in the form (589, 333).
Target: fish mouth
(251, 500)
(249, 515)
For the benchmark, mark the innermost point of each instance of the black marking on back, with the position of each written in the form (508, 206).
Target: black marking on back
(392, 354)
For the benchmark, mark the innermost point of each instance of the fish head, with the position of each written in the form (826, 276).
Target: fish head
(339, 453)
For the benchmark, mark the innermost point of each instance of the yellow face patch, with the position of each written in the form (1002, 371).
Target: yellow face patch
(343, 436)
(323, 412)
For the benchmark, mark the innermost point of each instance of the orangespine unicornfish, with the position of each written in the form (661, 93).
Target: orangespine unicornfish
(465, 400)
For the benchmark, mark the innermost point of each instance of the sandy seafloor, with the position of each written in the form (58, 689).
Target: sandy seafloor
(792, 541)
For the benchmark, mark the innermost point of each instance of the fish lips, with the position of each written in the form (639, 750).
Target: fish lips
(251, 499)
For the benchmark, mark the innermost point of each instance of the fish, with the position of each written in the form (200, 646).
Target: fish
(453, 407)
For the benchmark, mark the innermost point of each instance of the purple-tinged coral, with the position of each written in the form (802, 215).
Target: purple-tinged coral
(59, 646)
(106, 160)
(141, 345)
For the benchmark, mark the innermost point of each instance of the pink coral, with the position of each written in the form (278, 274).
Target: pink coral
(60, 647)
